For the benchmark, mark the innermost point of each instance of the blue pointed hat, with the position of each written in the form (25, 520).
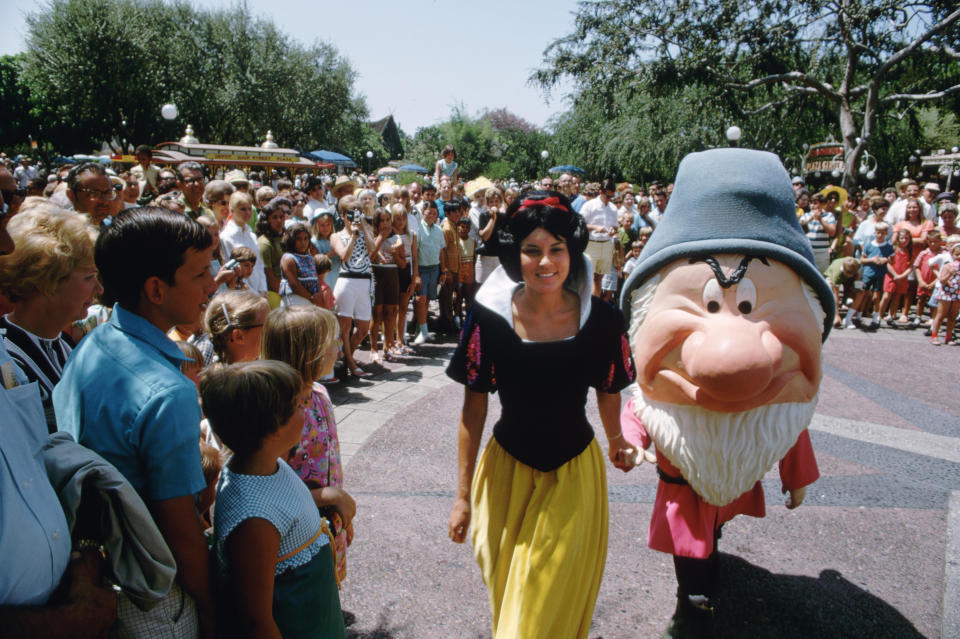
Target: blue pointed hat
(731, 201)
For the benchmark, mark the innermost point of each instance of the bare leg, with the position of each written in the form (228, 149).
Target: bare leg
(402, 318)
(389, 326)
(346, 338)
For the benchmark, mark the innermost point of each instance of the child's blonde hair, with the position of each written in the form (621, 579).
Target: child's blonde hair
(299, 336)
(228, 311)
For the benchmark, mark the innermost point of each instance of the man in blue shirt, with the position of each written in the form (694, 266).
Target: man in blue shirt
(431, 265)
(122, 393)
(35, 539)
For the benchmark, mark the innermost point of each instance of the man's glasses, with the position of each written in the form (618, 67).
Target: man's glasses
(97, 194)
(192, 180)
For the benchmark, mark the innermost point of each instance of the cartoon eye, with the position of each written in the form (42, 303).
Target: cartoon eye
(746, 296)
(712, 295)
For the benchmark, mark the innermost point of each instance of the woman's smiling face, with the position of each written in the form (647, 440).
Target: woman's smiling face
(544, 261)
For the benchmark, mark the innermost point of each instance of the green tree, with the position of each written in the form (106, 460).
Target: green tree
(100, 70)
(857, 59)
(496, 144)
(17, 124)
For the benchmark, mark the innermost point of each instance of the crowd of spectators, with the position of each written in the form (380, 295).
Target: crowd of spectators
(123, 292)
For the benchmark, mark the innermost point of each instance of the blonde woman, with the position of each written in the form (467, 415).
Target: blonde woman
(51, 280)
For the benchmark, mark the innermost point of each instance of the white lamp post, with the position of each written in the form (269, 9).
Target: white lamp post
(733, 135)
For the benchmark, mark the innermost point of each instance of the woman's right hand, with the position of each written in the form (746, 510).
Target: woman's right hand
(459, 520)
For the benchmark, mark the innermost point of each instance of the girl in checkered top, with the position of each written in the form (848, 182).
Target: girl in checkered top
(276, 570)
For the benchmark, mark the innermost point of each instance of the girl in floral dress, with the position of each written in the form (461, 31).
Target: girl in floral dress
(306, 337)
(947, 292)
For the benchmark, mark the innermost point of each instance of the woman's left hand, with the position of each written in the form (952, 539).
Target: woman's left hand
(459, 521)
(626, 456)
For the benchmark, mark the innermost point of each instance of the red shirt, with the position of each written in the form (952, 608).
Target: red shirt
(683, 523)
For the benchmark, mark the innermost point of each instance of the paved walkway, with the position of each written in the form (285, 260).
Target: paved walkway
(874, 551)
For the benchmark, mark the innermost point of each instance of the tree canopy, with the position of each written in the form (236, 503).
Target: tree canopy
(497, 144)
(847, 67)
(98, 70)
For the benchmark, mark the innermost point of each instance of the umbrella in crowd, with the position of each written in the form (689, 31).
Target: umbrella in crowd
(566, 168)
(416, 168)
(333, 157)
(387, 170)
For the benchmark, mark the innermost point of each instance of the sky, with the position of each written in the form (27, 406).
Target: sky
(415, 59)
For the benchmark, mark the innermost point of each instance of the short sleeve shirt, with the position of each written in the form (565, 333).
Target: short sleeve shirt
(595, 212)
(122, 395)
(281, 499)
(429, 244)
(543, 385)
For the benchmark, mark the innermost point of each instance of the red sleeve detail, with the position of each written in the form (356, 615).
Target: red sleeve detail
(799, 467)
(632, 427)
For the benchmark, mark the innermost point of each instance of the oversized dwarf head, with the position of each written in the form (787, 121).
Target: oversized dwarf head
(727, 314)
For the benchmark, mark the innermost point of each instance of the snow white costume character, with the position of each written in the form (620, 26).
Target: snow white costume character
(536, 504)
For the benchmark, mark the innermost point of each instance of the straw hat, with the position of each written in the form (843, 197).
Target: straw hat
(841, 194)
(236, 175)
(481, 183)
(342, 184)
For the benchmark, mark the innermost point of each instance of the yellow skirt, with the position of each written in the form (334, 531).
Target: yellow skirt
(541, 541)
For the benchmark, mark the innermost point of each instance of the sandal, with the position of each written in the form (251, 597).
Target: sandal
(359, 372)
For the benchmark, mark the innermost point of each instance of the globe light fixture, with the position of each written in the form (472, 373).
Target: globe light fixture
(169, 111)
(733, 135)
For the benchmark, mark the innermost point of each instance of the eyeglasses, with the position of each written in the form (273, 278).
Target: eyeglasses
(167, 178)
(193, 180)
(97, 194)
(221, 202)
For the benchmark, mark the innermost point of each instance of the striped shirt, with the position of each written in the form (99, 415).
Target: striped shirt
(41, 360)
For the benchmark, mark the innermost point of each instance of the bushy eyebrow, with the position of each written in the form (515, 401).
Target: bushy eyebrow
(736, 276)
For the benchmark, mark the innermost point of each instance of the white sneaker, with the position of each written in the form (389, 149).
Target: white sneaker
(420, 339)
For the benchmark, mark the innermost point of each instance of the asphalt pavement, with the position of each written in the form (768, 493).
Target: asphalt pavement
(873, 552)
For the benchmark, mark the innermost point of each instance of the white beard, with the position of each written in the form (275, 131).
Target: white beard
(722, 455)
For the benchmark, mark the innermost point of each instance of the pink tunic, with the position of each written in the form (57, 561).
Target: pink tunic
(682, 522)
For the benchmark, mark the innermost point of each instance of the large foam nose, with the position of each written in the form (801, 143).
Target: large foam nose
(731, 358)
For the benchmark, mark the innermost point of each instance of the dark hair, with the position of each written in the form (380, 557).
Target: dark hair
(525, 215)
(449, 149)
(312, 183)
(189, 165)
(248, 401)
(608, 185)
(452, 205)
(144, 242)
(289, 241)
(263, 225)
(429, 204)
(144, 148)
(73, 177)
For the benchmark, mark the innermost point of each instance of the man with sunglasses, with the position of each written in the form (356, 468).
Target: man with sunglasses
(191, 183)
(90, 191)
